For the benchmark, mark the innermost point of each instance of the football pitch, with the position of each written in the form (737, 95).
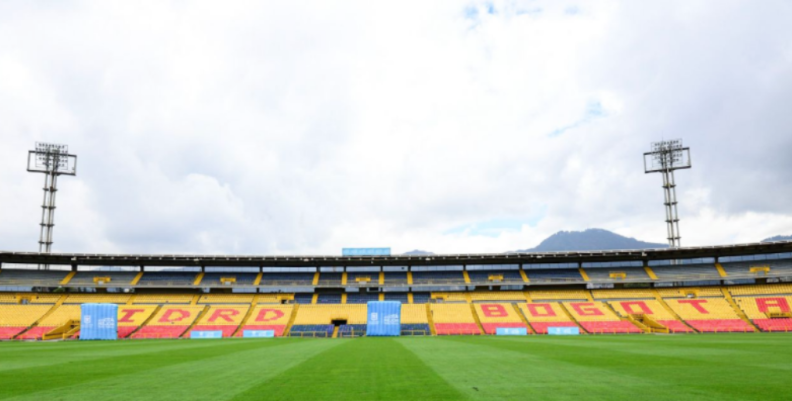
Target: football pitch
(629, 367)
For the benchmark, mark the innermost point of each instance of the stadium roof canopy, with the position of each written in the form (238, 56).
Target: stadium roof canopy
(81, 259)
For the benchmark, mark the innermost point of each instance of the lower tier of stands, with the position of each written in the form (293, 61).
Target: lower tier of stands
(784, 325)
(721, 326)
(610, 327)
(446, 329)
(492, 328)
(312, 330)
(160, 332)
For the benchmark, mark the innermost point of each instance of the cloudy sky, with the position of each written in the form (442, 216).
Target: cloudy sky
(304, 127)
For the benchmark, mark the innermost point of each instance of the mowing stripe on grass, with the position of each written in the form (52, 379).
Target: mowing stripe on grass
(216, 378)
(160, 354)
(359, 369)
(595, 368)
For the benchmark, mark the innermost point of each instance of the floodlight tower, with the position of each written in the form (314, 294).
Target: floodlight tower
(665, 158)
(53, 160)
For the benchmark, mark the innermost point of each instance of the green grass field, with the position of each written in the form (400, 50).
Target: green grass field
(685, 367)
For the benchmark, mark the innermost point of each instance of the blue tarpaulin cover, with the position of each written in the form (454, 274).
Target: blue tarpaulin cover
(99, 322)
(384, 318)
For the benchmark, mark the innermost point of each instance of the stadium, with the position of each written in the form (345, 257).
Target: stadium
(478, 200)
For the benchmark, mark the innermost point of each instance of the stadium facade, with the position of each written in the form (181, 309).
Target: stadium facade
(737, 288)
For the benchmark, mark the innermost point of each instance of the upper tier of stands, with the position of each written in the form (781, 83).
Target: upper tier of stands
(169, 279)
(679, 273)
(92, 278)
(237, 279)
(31, 278)
(495, 276)
(554, 276)
(438, 277)
(631, 274)
(286, 279)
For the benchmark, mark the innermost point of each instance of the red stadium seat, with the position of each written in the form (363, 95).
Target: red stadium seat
(492, 328)
(721, 326)
(160, 332)
(610, 327)
(456, 328)
(7, 333)
(35, 333)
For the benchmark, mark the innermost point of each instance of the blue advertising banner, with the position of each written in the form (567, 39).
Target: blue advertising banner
(384, 318)
(365, 251)
(511, 331)
(563, 331)
(206, 334)
(258, 333)
(99, 322)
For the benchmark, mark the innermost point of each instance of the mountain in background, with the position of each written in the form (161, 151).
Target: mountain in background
(418, 252)
(778, 238)
(593, 239)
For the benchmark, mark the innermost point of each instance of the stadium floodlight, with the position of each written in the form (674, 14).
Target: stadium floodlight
(665, 158)
(53, 160)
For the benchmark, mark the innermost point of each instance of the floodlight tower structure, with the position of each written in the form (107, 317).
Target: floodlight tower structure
(53, 160)
(665, 158)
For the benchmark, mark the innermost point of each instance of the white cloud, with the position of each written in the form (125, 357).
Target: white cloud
(307, 127)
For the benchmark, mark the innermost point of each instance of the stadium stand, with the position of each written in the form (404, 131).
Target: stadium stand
(330, 279)
(543, 315)
(94, 277)
(31, 278)
(268, 317)
(498, 315)
(352, 330)
(713, 315)
(397, 296)
(361, 297)
(326, 298)
(97, 298)
(421, 297)
(495, 276)
(167, 279)
(414, 320)
(286, 279)
(769, 313)
(615, 273)
(16, 318)
(303, 298)
(169, 322)
(395, 278)
(484, 296)
(161, 299)
(132, 317)
(650, 308)
(362, 278)
(560, 295)
(690, 292)
(8, 298)
(451, 319)
(623, 294)
(701, 272)
(597, 318)
(221, 318)
(321, 318)
(213, 299)
(438, 277)
(761, 289)
(39, 298)
(222, 279)
(56, 318)
(554, 276)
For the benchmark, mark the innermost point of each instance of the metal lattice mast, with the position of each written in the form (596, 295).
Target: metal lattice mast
(53, 160)
(665, 158)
